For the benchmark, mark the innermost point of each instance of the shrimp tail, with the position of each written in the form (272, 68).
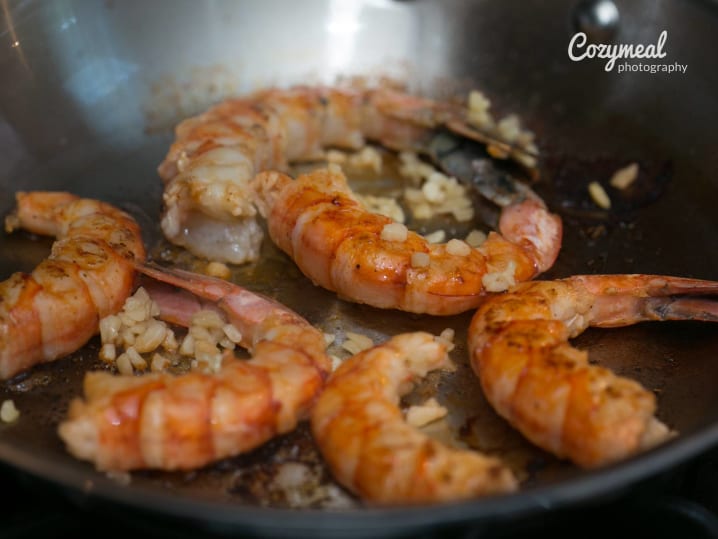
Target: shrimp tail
(205, 287)
(247, 310)
(471, 163)
(702, 309)
(637, 298)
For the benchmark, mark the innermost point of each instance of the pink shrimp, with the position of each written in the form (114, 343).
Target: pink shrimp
(372, 451)
(343, 247)
(547, 389)
(186, 421)
(56, 309)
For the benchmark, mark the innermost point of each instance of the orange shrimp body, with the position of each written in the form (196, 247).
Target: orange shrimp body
(547, 389)
(185, 421)
(371, 450)
(340, 245)
(90, 272)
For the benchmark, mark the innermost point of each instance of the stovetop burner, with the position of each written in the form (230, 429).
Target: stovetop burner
(682, 502)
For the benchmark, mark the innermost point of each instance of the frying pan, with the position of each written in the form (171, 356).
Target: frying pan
(90, 91)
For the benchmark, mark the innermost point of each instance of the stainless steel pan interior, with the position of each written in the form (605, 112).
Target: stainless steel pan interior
(90, 91)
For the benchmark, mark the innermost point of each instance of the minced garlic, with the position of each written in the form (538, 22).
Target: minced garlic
(458, 248)
(625, 176)
(423, 414)
(356, 342)
(475, 238)
(394, 232)
(420, 260)
(437, 236)
(8, 411)
(218, 269)
(599, 195)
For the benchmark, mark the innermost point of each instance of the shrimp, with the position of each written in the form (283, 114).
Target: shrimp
(186, 421)
(359, 429)
(56, 309)
(344, 248)
(207, 201)
(547, 389)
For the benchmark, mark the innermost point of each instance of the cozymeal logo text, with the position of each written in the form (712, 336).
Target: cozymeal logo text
(579, 49)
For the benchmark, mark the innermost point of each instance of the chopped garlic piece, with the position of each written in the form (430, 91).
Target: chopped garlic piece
(475, 238)
(436, 237)
(124, 365)
(625, 176)
(8, 411)
(232, 333)
(420, 260)
(394, 232)
(218, 269)
(364, 341)
(108, 352)
(458, 248)
(423, 414)
(356, 342)
(599, 195)
(138, 362)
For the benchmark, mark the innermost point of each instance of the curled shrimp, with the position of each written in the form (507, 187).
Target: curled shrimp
(359, 429)
(343, 247)
(547, 389)
(56, 309)
(207, 201)
(185, 421)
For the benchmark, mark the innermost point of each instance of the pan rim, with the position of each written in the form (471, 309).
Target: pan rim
(591, 485)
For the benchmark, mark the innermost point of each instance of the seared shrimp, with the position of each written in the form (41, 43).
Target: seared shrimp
(547, 389)
(342, 247)
(208, 206)
(186, 421)
(372, 451)
(56, 309)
